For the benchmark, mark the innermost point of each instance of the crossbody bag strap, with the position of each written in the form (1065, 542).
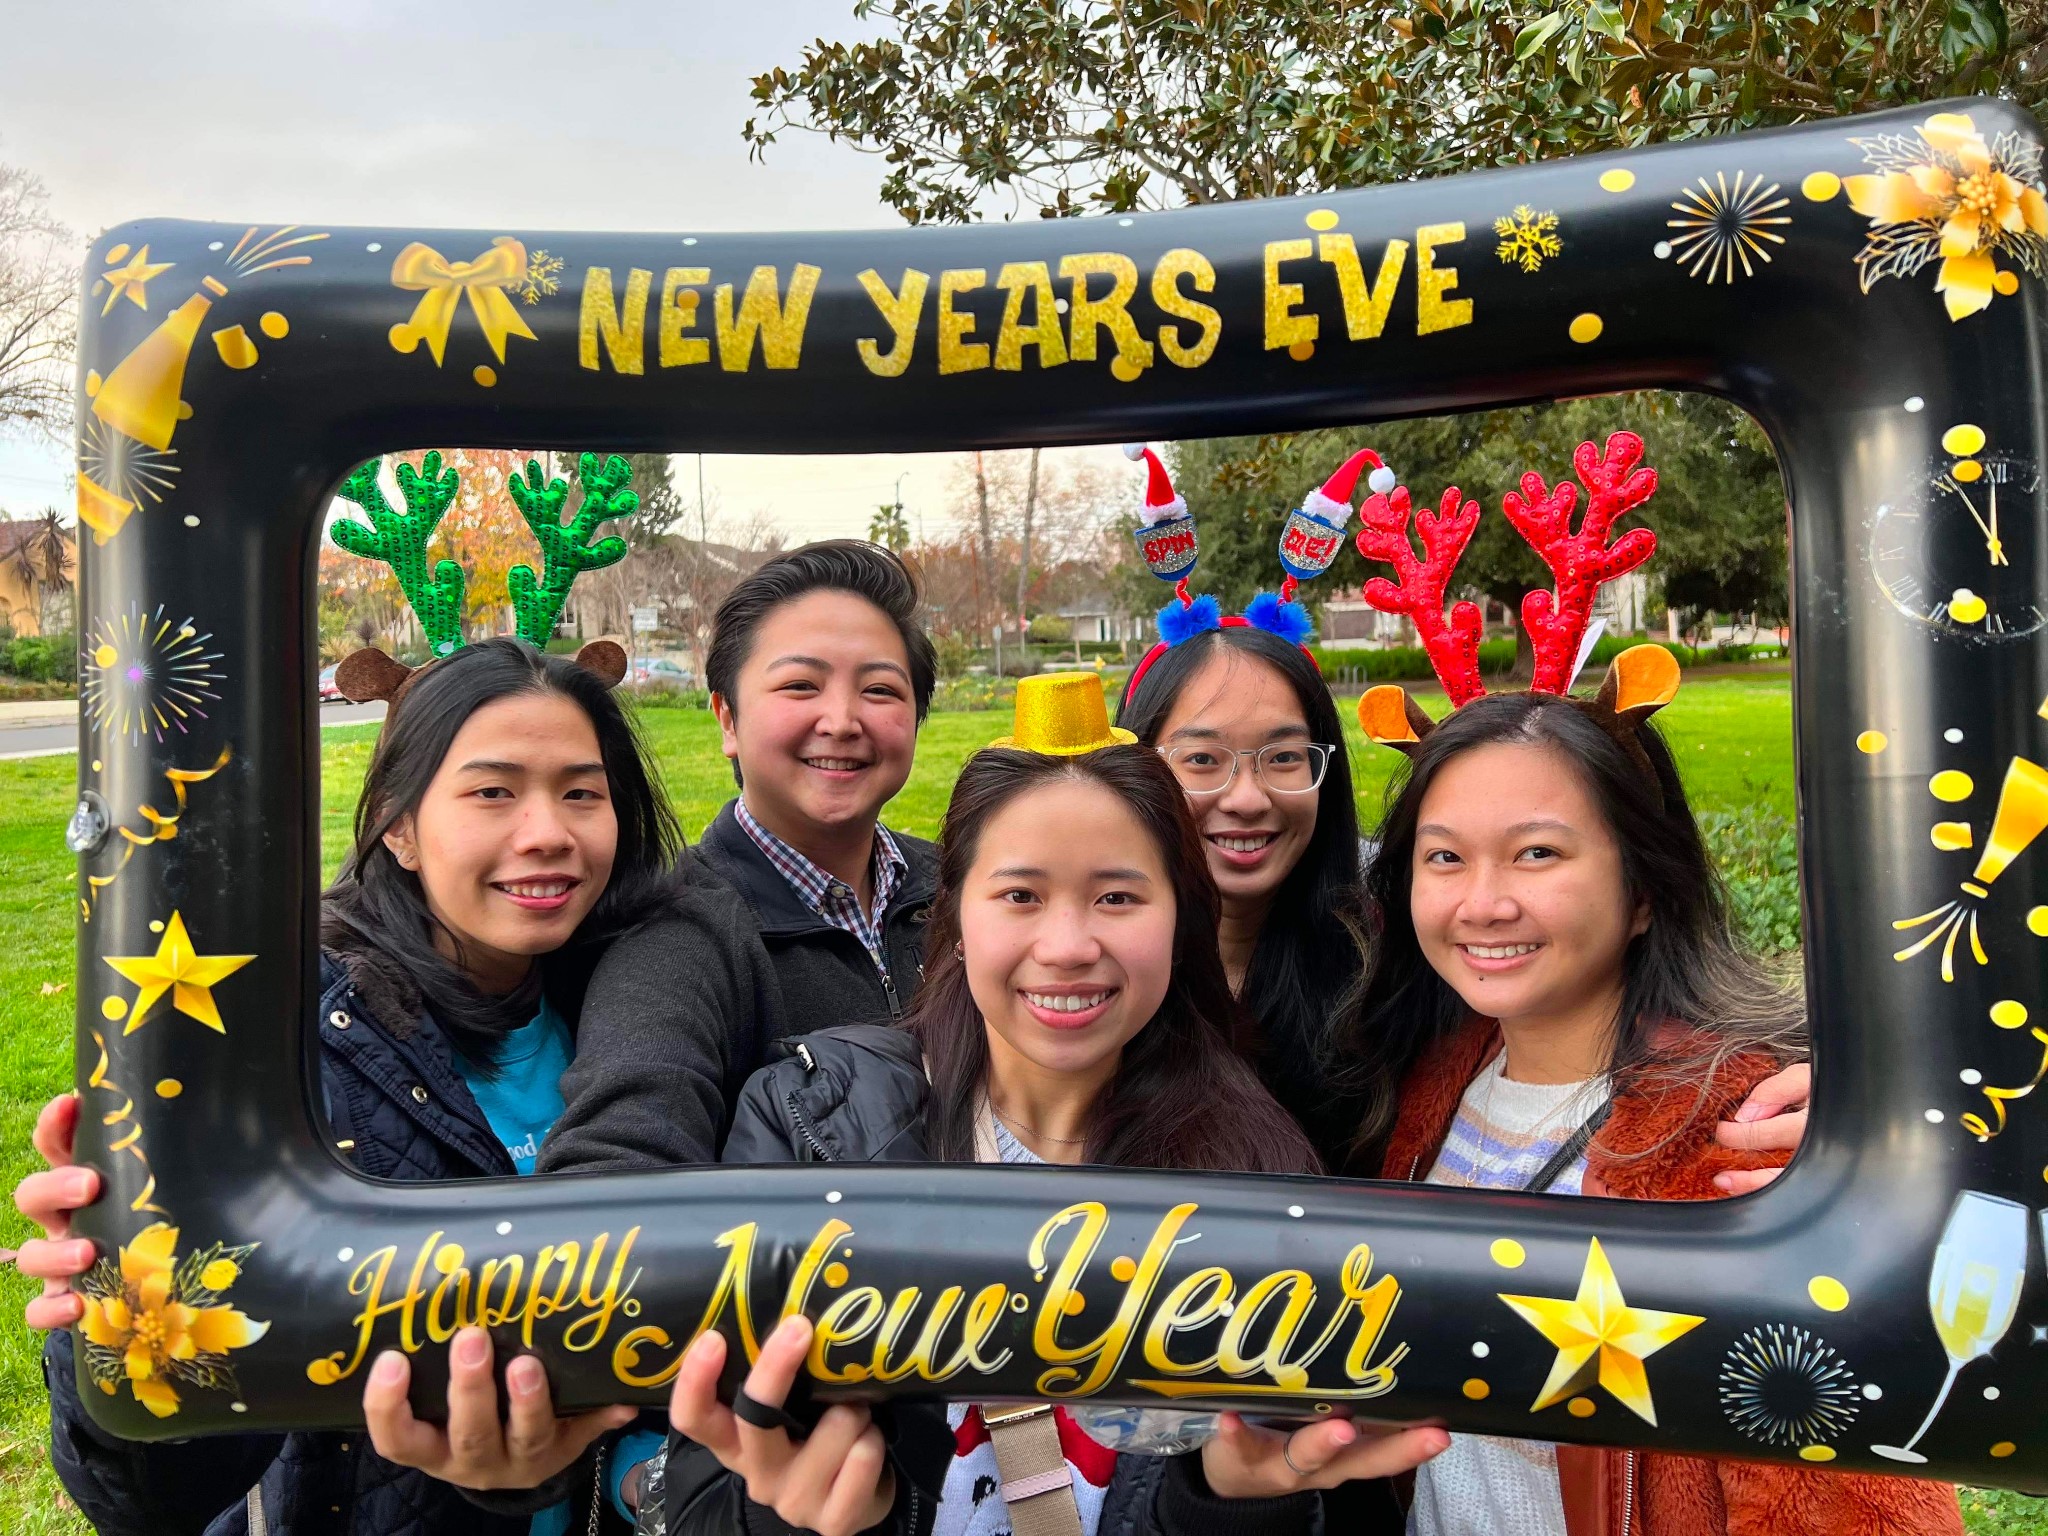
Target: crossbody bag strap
(1570, 1151)
(1037, 1484)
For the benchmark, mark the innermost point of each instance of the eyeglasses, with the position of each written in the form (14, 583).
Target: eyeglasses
(1283, 767)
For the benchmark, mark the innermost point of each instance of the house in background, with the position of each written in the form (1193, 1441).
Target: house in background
(1350, 621)
(38, 575)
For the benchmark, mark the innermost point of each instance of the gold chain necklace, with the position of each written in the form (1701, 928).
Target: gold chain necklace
(1037, 1135)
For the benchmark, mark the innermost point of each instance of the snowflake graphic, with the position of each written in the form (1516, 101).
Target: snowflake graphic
(1527, 237)
(541, 271)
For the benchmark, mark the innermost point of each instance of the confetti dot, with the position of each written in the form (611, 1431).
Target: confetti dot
(169, 1088)
(2003, 1449)
(1828, 1293)
(1971, 1076)
(1872, 742)
(95, 765)
(1323, 218)
(1508, 1253)
(346, 1254)
(1123, 1268)
(92, 382)
(1967, 470)
(1295, 1211)
(1934, 1117)
(1991, 1394)
(1476, 1389)
(1915, 404)
(1951, 785)
(1952, 736)
(833, 1197)
(1580, 1407)
(1019, 1303)
(1948, 836)
(191, 520)
(835, 1274)
(1060, 305)
(2037, 922)
(2008, 1014)
(1124, 371)
(1302, 351)
(105, 656)
(689, 240)
(1816, 1453)
(2007, 283)
(1872, 1391)
(1585, 328)
(1073, 1304)
(1965, 606)
(504, 1227)
(274, 325)
(1617, 181)
(1962, 439)
(484, 374)
(1820, 186)
(1481, 1350)
(117, 252)
(374, 246)
(114, 1008)
(238, 1407)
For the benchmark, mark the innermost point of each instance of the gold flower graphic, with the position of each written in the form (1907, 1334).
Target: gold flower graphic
(155, 1320)
(1945, 192)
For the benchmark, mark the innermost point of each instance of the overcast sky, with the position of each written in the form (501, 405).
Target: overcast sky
(599, 114)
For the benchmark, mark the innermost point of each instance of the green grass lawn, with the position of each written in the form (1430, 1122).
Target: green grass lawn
(1732, 736)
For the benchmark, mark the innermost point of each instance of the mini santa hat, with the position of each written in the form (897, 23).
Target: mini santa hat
(1332, 504)
(1162, 501)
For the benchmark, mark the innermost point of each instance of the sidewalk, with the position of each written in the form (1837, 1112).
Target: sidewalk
(38, 711)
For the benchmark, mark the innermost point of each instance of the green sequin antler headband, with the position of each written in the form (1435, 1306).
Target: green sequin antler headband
(399, 540)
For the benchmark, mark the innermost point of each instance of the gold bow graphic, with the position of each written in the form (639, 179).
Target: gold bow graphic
(421, 267)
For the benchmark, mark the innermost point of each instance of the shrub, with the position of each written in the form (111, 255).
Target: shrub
(661, 696)
(1051, 629)
(1757, 853)
(32, 657)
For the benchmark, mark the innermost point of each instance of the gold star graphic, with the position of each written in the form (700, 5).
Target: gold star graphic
(176, 968)
(1599, 1336)
(133, 279)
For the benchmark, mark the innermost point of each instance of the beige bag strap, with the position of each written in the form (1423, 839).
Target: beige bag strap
(1037, 1483)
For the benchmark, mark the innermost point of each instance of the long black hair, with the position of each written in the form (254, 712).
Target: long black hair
(1685, 968)
(1183, 1096)
(374, 916)
(1311, 950)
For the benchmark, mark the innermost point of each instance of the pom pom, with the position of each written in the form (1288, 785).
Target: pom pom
(1180, 621)
(1381, 481)
(1289, 621)
(1134, 451)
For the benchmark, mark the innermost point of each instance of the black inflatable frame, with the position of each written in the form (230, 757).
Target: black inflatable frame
(231, 376)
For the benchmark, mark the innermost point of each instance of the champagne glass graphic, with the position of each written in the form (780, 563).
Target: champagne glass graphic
(1973, 1291)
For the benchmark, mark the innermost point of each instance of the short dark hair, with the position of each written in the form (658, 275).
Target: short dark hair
(832, 565)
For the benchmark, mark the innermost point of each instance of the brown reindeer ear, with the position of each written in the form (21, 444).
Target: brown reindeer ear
(605, 658)
(1640, 681)
(368, 675)
(1390, 718)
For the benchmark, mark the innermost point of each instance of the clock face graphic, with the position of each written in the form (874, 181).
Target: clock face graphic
(1958, 554)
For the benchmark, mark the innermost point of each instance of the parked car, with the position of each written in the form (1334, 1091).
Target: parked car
(327, 688)
(660, 672)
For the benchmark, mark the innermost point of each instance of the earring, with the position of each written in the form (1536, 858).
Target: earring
(959, 950)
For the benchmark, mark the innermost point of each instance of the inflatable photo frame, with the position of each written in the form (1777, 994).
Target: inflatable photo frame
(1871, 291)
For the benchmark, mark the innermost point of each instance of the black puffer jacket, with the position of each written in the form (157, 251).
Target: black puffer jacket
(324, 1483)
(857, 1094)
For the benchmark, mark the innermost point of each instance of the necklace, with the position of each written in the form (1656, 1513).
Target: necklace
(1037, 1135)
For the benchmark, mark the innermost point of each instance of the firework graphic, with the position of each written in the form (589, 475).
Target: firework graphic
(1719, 226)
(133, 471)
(1783, 1386)
(146, 675)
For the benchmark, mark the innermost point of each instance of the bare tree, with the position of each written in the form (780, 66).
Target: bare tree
(1024, 556)
(38, 309)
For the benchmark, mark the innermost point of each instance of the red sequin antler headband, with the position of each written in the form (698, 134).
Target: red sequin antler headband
(1642, 680)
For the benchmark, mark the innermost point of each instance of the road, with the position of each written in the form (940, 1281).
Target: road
(53, 737)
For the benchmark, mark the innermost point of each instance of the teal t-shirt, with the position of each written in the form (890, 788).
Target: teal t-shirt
(521, 1102)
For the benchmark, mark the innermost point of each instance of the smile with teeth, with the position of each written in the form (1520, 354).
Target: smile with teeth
(1498, 951)
(834, 764)
(1250, 842)
(536, 890)
(1067, 1002)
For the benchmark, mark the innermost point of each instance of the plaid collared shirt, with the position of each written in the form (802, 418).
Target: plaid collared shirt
(829, 896)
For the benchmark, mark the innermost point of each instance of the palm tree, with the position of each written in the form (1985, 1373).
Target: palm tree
(41, 561)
